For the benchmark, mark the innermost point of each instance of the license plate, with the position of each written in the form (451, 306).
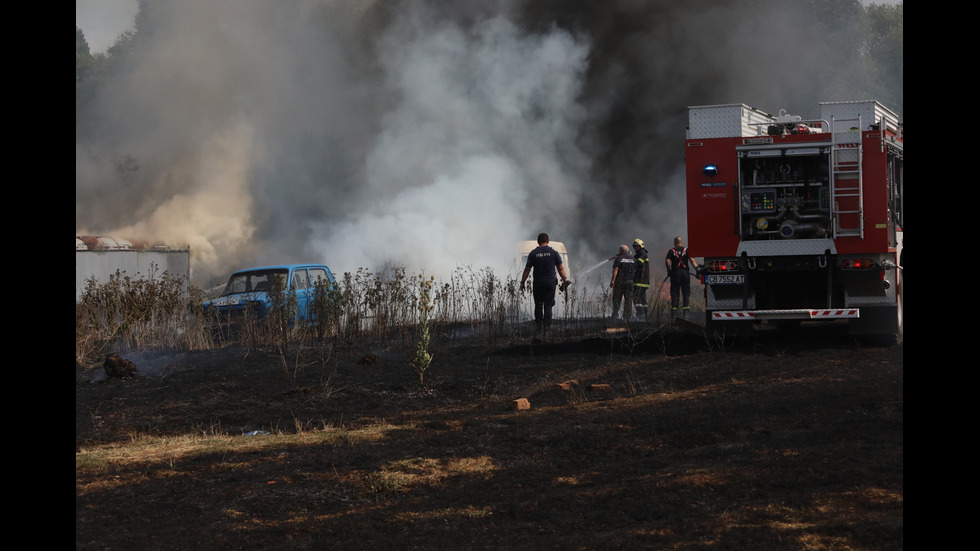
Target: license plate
(726, 279)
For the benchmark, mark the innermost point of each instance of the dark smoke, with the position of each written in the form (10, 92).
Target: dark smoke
(428, 134)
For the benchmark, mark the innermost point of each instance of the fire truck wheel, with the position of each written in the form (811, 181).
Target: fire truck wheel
(878, 326)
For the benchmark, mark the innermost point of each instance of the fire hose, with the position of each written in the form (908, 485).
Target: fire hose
(562, 287)
(694, 274)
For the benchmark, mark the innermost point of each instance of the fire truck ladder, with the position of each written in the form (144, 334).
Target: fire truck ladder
(846, 180)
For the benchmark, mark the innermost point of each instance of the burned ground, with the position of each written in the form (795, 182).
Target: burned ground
(654, 440)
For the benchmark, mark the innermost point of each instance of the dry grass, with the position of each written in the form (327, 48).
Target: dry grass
(159, 312)
(771, 444)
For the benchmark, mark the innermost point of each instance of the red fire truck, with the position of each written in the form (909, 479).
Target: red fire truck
(798, 219)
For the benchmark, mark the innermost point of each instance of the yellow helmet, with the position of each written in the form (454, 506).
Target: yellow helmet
(637, 241)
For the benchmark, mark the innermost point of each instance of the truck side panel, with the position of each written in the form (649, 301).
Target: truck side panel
(712, 202)
(874, 199)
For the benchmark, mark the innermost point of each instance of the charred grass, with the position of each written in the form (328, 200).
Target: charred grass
(649, 439)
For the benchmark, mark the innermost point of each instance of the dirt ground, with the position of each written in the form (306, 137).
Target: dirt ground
(641, 439)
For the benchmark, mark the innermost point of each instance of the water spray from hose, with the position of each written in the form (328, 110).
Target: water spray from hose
(586, 272)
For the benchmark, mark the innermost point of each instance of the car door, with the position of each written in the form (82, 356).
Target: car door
(302, 287)
(319, 275)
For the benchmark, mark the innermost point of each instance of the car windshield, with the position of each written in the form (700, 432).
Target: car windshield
(252, 281)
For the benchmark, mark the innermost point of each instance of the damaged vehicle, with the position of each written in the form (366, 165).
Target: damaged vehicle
(247, 294)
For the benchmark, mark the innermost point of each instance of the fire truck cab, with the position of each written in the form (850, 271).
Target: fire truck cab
(798, 219)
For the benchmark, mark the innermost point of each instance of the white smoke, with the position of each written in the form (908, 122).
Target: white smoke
(213, 215)
(475, 154)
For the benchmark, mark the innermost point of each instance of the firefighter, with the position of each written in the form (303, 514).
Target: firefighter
(641, 280)
(678, 263)
(624, 270)
(545, 261)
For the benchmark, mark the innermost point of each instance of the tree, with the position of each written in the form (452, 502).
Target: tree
(93, 71)
(885, 50)
(83, 57)
(86, 65)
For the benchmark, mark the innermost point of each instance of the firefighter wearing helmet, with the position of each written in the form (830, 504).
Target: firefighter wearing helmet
(641, 279)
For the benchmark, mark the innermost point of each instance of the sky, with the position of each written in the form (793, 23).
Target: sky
(103, 21)
(426, 134)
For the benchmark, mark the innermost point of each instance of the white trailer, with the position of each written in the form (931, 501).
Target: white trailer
(100, 258)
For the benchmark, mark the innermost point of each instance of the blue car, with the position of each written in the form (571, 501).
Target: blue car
(246, 290)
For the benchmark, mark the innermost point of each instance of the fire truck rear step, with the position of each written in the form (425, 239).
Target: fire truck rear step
(788, 314)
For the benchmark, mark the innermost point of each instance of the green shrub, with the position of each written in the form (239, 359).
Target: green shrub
(423, 358)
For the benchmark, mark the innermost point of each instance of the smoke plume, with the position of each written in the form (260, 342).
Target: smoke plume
(421, 133)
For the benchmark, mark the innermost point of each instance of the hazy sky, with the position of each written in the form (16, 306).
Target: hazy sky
(103, 20)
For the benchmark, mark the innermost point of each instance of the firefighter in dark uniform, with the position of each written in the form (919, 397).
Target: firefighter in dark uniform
(641, 280)
(544, 261)
(624, 270)
(678, 263)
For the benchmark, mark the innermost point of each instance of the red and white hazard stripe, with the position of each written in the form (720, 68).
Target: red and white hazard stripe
(822, 314)
(835, 314)
(732, 315)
